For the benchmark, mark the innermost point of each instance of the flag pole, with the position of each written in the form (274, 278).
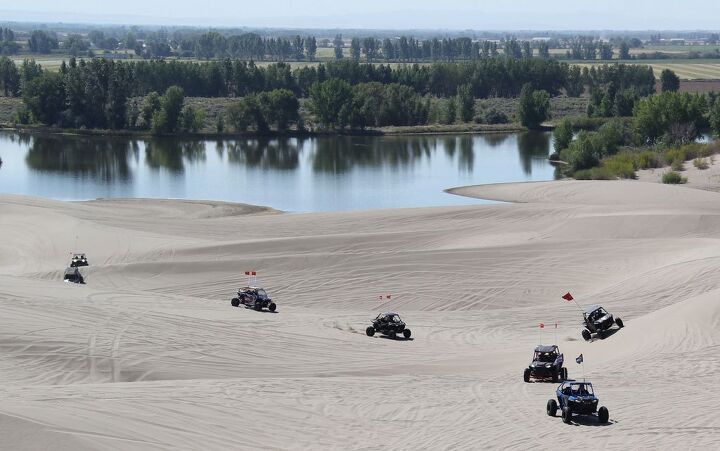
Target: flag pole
(555, 334)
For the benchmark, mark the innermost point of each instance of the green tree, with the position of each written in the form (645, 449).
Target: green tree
(9, 77)
(44, 96)
(172, 104)
(192, 119)
(624, 51)
(280, 107)
(669, 81)
(563, 135)
(465, 102)
(330, 100)
(338, 46)
(355, 49)
(150, 106)
(310, 47)
(534, 107)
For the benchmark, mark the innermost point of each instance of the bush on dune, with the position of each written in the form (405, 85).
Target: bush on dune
(673, 178)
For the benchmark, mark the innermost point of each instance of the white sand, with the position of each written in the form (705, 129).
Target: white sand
(150, 354)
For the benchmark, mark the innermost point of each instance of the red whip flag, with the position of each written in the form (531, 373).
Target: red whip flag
(253, 273)
(388, 296)
(568, 297)
(542, 326)
(247, 273)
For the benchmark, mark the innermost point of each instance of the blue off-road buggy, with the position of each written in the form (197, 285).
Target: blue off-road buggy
(547, 364)
(576, 398)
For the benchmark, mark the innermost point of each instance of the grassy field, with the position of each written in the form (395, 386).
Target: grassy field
(686, 69)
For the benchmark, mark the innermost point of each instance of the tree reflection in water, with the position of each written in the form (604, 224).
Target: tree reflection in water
(278, 154)
(99, 158)
(532, 146)
(172, 154)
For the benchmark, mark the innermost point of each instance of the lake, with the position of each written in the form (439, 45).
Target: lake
(292, 174)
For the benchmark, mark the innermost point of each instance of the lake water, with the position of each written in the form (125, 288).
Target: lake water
(291, 174)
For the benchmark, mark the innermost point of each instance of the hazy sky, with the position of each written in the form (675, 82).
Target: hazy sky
(397, 14)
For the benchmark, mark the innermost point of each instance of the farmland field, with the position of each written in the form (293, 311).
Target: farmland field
(686, 69)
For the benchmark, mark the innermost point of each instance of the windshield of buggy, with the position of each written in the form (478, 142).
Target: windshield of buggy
(579, 389)
(548, 357)
(261, 293)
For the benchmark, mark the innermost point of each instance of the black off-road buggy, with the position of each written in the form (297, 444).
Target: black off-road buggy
(547, 364)
(78, 260)
(72, 275)
(254, 298)
(576, 398)
(597, 321)
(388, 324)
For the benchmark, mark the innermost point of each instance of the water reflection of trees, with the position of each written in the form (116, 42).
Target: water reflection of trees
(172, 154)
(531, 146)
(278, 154)
(338, 155)
(100, 158)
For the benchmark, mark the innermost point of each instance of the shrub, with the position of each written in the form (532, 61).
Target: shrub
(621, 165)
(673, 178)
(678, 165)
(647, 159)
(701, 163)
(494, 116)
(563, 135)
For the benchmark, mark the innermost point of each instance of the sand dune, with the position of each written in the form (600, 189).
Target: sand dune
(150, 355)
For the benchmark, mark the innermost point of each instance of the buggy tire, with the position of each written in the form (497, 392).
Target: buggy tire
(556, 376)
(407, 333)
(586, 335)
(564, 376)
(392, 335)
(258, 306)
(526, 375)
(552, 407)
(566, 415)
(235, 302)
(603, 415)
(272, 307)
(370, 331)
(619, 323)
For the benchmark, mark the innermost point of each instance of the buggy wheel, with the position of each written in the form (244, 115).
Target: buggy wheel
(603, 415)
(235, 302)
(564, 374)
(556, 375)
(586, 335)
(552, 407)
(619, 323)
(407, 333)
(566, 415)
(272, 307)
(392, 335)
(370, 331)
(526, 375)
(258, 306)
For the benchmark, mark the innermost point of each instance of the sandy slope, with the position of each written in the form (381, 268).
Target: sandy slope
(150, 355)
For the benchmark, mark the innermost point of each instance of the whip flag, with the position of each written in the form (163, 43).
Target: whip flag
(579, 359)
(568, 297)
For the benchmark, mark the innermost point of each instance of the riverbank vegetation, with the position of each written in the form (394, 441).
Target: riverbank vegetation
(662, 132)
(105, 94)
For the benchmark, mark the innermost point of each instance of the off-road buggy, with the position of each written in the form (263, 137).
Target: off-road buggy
(388, 324)
(78, 260)
(576, 398)
(547, 364)
(254, 298)
(597, 321)
(73, 275)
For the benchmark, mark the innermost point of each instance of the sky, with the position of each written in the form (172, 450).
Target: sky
(381, 14)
